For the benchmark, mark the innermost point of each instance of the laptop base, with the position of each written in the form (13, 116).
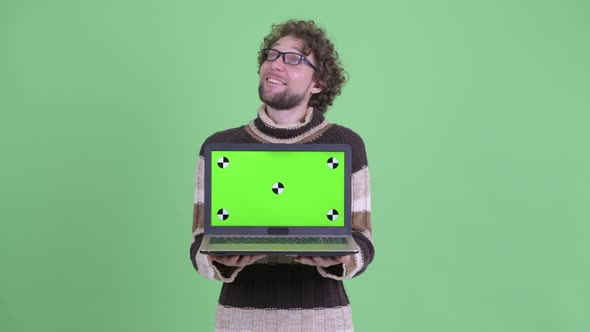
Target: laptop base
(328, 250)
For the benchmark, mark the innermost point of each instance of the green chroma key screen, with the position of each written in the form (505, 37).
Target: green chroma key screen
(277, 188)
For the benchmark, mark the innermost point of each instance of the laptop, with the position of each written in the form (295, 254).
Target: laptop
(290, 199)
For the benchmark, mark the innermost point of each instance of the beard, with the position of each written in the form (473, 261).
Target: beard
(280, 101)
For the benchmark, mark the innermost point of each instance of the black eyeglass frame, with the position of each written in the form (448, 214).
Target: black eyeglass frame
(282, 54)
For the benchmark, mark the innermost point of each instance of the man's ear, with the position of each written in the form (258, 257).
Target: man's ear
(317, 87)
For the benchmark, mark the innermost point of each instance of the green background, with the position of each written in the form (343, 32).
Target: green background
(244, 188)
(474, 114)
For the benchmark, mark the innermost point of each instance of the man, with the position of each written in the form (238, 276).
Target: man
(300, 75)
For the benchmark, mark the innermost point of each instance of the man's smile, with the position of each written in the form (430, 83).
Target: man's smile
(274, 80)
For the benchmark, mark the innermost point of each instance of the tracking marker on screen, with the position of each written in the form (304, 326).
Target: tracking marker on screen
(332, 162)
(332, 214)
(222, 162)
(278, 188)
(222, 214)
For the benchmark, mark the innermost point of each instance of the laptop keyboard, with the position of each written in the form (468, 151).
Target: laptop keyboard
(277, 240)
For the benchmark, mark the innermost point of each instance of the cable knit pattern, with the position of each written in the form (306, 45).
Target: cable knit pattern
(275, 293)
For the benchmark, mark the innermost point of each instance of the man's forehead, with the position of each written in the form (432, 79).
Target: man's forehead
(290, 42)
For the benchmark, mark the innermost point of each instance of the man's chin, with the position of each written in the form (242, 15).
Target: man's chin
(279, 101)
(276, 107)
(280, 104)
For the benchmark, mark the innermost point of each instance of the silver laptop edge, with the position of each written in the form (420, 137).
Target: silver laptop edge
(332, 249)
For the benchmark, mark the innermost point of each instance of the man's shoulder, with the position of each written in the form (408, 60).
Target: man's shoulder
(345, 135)
(231, 135)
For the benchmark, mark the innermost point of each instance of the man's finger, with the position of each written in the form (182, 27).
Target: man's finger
(242, 261)
(306, 260)
(255, 258)
(232, 260)
(320, 261)
(344, 259)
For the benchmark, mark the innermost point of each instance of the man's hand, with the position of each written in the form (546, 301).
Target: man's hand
(322, 261)
(236, 260)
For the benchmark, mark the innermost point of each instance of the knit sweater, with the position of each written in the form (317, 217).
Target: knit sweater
(276, 293)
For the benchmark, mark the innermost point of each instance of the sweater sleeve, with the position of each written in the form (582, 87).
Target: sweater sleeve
(361, 217)
(200, 262)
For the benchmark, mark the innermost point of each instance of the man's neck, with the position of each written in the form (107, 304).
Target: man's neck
(290, 116)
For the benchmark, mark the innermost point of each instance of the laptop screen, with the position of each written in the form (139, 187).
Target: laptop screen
(277, 188)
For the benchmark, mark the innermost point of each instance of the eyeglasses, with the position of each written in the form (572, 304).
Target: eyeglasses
(289, 58)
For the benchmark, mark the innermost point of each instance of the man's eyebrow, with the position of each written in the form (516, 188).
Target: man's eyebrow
(279, 44)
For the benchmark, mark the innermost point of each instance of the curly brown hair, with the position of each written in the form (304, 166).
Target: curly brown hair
(330, 74)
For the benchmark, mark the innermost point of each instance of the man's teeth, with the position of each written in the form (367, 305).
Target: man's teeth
(272, 80)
